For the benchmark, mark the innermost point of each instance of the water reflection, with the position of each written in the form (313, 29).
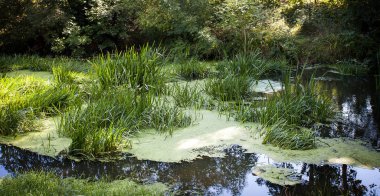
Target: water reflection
(357, 100)
(207, 176)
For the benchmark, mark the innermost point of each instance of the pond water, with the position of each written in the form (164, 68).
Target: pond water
(356, 99)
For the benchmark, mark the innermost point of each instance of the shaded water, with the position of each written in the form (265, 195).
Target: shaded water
(358, 103)
(357, 100)
(212, 176)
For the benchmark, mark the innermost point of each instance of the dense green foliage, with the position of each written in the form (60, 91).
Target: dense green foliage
(300, 31)
(121, 86)
(99, 125)
(22, 99)
(41, 183)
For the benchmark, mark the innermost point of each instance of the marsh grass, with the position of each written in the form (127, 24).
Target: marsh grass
(23, 99)
(283, 113)
(164, 117)
(52, 100)
(351, 67)
(47, 183)
(62, 75)
(139, 70)
(230, 88)
(289, 136)
(250, 64)
(193, 70)
(302, 105)
(36, 63)
(187, 95)
(104, 123)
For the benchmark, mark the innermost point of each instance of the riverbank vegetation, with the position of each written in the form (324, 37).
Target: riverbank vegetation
(123, 67)
(43, 183)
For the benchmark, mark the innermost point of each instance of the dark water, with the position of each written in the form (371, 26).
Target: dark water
(208, 176)
(356, 99)
(358, 103)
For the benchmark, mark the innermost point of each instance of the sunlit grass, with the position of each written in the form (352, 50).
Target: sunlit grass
(140, 70)
(22, 99)
(36, 63)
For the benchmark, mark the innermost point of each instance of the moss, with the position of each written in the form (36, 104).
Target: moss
(40, 183)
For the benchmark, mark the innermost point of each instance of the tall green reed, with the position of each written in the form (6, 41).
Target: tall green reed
(140, 70)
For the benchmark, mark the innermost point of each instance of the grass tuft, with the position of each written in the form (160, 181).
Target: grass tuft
(193, 70)
(139, 70)
(289, 136)
(231, 88)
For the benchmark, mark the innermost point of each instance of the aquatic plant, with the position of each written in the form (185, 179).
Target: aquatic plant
(24, 98)
(351, 67)
(289, 136)
(98, 126)
(230, 88)
(302, 105)
(192, 70)
(187, 95)
(250, 64)
(47, 183)
(62, 75)
(15, 94)
(298, 105)
(36, 63)
(52, 100)
(164, 117)
(136, 69)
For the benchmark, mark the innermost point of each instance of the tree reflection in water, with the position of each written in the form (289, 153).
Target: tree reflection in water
(210, 176)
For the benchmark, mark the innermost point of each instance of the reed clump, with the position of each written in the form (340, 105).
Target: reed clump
(22, 99)
(100, 125)
(140, 70)
(193, 70)
(283, 113)
(230, 88)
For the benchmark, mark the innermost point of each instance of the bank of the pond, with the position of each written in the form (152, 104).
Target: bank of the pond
(213, 133)
(41, 183)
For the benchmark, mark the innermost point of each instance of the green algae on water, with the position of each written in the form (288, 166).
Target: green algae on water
(277, 175)
(212, 133)
(44, 141)
(37, 74)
